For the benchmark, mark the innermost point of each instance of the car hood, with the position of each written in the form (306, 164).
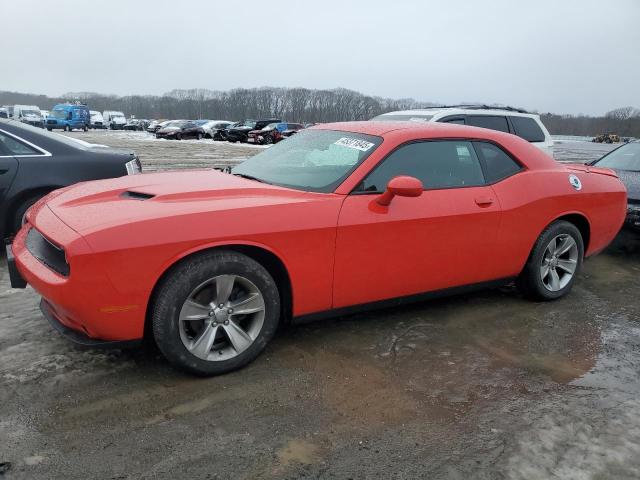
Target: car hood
(91, 206)
(631, 180)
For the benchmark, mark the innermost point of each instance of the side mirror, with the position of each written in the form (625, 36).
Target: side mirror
(401, 186)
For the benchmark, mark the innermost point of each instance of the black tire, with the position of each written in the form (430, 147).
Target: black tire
(267, 140)
(178, 136)
(85, 129)
(20, 212)
(49, 129)
(67, 128)
(199, 136)
(176, 287)
(530, 282)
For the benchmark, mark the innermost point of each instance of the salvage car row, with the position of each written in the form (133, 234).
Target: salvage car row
(338, 218)
(77, 116)
(258, 132)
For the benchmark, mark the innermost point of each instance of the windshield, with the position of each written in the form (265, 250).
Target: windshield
(397, 117)
(271, 126)
(31, 112)
(626, 157)
(248, 123)
(313, 160)
(201, 122)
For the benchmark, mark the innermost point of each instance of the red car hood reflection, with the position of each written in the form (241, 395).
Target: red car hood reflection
(89, 206)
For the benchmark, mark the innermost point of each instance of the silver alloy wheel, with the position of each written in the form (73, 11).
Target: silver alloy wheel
(221, 317)
(559, 262)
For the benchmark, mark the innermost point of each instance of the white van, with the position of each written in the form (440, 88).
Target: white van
(505, 119)
(97, 120)
(28, 114)
(114, 120)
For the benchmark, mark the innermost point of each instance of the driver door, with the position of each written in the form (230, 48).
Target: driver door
(442, 239)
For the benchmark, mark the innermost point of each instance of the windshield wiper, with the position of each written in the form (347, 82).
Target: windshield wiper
(249, 177)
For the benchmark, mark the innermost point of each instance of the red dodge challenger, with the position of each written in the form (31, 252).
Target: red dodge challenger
(339, 217)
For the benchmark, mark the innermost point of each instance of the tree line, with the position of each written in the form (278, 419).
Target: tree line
(299, 105)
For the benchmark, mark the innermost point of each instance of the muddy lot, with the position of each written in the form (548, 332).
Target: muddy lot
(482, 386)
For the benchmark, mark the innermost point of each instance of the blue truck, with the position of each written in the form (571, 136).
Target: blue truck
(69, 116)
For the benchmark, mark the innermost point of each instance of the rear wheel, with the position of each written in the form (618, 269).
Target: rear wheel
(267, 140)
(20, 212)
(554, 262)
(215, 312)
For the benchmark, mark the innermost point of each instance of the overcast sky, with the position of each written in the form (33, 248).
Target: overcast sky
(548, 55)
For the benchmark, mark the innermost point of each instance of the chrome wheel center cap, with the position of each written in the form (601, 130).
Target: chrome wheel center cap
(221, 315)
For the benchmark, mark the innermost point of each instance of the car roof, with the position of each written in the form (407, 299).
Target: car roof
(462, 111)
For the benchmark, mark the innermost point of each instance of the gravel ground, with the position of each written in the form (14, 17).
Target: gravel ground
(482, 386)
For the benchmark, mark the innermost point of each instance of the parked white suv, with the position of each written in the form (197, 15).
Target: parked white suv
(506, 119)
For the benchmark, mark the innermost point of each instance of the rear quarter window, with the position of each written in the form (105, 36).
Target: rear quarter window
(11, 146)
(528, 129)
(498, 164)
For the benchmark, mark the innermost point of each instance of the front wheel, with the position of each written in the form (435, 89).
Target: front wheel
(554, 262)
(67, 128)
(215, 312)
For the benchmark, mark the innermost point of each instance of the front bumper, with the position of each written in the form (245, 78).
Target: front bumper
(37, 123)
(80, 338)
(86, 301)
(15, 278)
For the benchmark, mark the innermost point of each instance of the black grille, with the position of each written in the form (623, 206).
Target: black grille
(47, 253)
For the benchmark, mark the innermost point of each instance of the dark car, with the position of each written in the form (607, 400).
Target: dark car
(217, 132)
(240, 132)
(625, 160)
(273, 133)
(179, 129)
(156, 125)
(33, 162)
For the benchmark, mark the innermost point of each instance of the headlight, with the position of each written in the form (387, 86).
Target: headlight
(133, 166)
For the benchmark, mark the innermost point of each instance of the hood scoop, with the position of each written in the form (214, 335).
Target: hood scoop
(136, 195)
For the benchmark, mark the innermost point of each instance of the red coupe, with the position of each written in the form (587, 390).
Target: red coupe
(339, 217)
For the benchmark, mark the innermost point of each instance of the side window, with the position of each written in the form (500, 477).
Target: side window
(499, 164)
(438, 164)
(489, 121)
(15, 147)
(528, 129)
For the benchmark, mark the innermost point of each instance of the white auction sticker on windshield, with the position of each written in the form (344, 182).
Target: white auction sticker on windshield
(355, 143)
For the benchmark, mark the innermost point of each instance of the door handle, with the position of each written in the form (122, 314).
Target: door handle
(484, 201)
